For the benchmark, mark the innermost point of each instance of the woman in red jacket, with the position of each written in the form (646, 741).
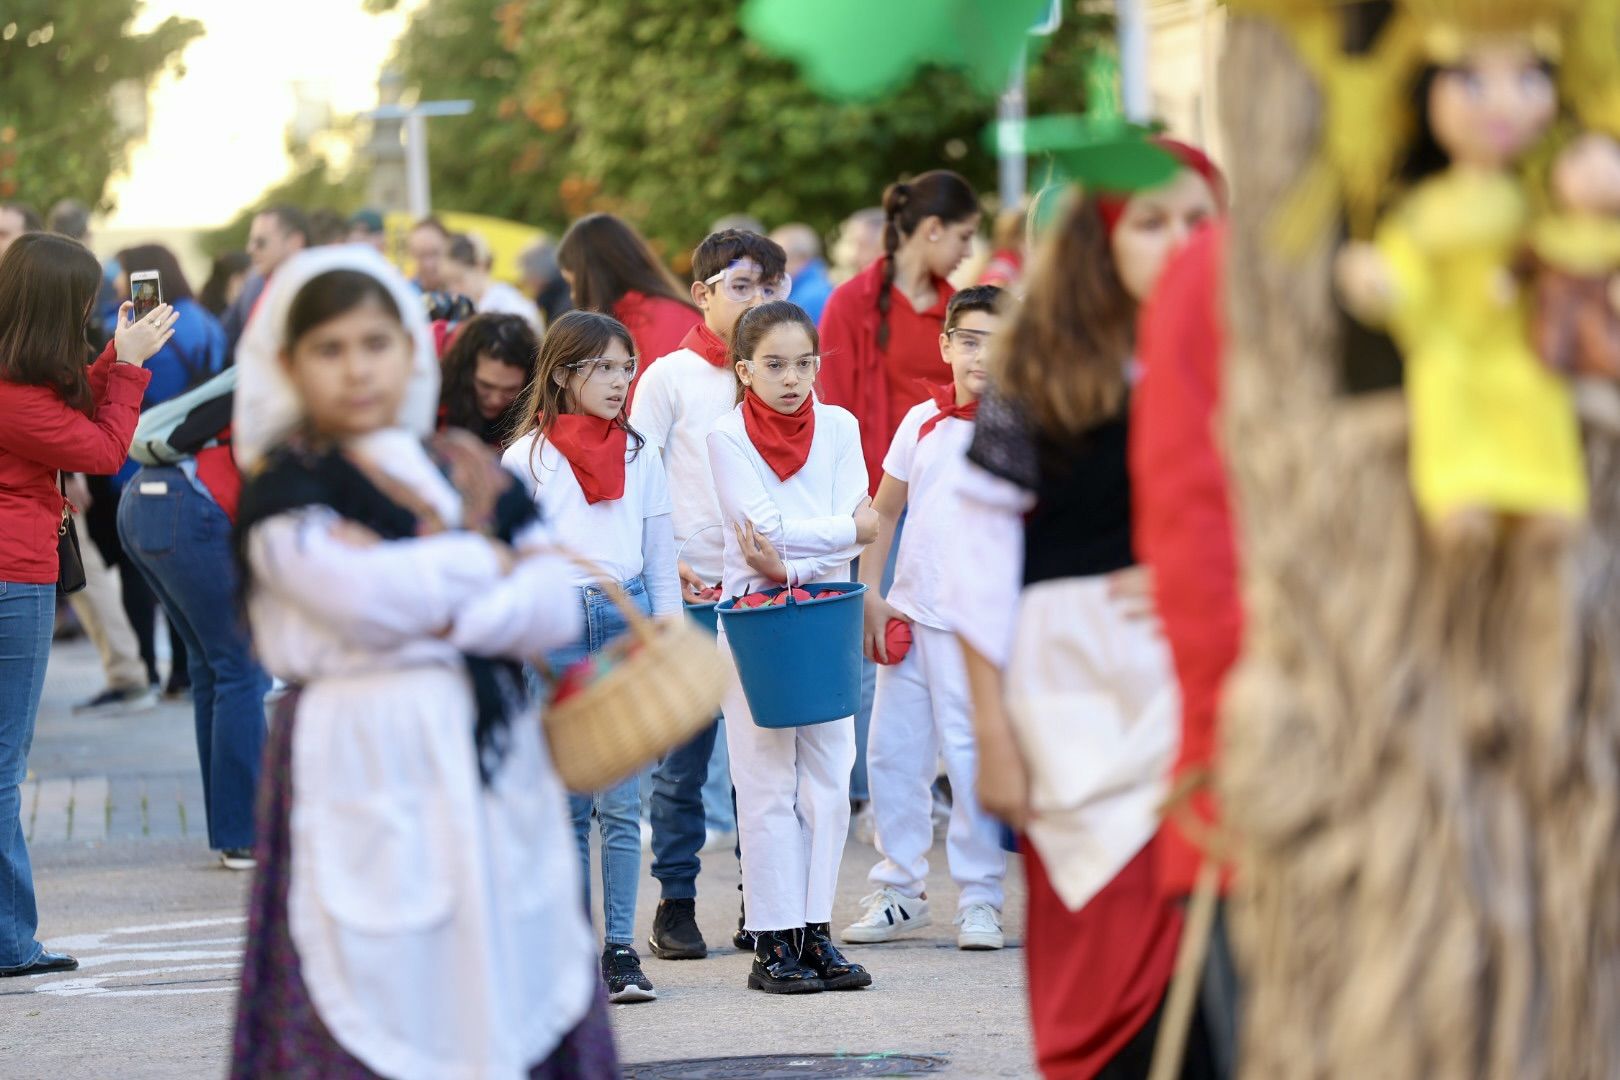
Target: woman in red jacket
(611, 270)
(59, 416)
(880, 329)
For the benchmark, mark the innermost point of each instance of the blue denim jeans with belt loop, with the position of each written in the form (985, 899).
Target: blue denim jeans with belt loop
(618, 809)
(180, 541)
(27, 617)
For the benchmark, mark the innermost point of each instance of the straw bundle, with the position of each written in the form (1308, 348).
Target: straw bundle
(1419, 761)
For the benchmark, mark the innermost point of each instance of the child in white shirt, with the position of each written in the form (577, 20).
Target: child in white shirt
(792, 487)
(922, 708)
(604, 496)
(677, 403)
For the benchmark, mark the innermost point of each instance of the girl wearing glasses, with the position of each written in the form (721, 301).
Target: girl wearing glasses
(583, 465)
(792, 486)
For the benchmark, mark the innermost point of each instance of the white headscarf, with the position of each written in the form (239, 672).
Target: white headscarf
(267, 407)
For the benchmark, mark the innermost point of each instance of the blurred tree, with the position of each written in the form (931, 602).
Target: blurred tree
(73, 82)
(663, 111)
(314, 184)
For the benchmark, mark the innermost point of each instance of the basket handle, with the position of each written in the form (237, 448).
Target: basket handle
(639, 623)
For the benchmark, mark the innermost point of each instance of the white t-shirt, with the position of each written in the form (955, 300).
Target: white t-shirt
(609, 533)
(506, 300)
(931, 470)
(677, 403)
(809, 517)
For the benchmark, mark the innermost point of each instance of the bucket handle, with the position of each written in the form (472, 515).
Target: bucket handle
(680, 552)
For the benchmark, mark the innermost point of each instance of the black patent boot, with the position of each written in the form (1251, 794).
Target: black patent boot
(777, 968)
(823, 957)
(742, 939)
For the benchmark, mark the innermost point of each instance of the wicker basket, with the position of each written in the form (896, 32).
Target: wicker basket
(665, 685)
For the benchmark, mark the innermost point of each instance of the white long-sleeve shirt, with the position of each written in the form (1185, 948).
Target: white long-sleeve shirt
(808, 516)
(625, 537)
(678, 402)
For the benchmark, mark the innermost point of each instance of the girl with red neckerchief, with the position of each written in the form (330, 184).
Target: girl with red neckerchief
(604, 495)
(792, 486)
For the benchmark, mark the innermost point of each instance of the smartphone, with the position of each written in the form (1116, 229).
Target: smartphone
(145, 292)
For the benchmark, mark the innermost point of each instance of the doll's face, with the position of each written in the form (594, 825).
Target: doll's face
(1493, 105)
(1586, 176)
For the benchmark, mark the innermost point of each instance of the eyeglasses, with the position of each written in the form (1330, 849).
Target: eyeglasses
(969, 342)
(775, 368)
(742, 284)
(606, 369)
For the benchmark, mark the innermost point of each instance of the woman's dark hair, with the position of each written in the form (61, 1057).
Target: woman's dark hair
(337, 292)
(937, 193)
(605, 258)
(216, 290)
(757, 322)
(575, 336)
(143, 257)
(507, 338)
(47, 286)
(1063, 356)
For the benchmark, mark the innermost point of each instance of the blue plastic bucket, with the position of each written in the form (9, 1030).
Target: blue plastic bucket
(800, 663)
(704, 615)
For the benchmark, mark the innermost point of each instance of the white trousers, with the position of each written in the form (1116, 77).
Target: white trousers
(100, 608)
(792, 813)
(921, 713)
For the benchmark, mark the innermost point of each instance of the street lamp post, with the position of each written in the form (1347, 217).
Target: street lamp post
(418, 192)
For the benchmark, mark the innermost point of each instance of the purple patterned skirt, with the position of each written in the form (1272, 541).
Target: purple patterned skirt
(278, 1032)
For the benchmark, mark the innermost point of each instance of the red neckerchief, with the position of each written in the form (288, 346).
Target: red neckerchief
(945, 398)
(782, 439)
(707, 344)
(595, 448)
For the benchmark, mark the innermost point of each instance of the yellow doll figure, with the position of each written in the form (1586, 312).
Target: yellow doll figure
(1493, 430)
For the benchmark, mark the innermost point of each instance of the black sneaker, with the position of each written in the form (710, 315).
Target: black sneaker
(117, 700)
(675, 933)
(621, 970)
(777, 968)
(822, 956)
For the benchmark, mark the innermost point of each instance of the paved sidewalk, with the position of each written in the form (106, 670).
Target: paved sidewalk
(127, 883)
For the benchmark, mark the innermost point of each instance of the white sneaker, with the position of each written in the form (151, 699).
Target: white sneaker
(237, 859)
(889, 913)
(980, 928)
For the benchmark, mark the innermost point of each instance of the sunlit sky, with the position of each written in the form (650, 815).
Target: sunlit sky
(217, 137)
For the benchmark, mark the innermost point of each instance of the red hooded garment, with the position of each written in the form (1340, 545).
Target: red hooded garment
(1183, 526)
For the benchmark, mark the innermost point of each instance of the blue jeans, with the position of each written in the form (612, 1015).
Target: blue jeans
(180, 540)
(858, 787)
(27, 616)
(618, 809)
(678, 817)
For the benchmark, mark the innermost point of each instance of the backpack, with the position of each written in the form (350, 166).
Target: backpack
(178, 428)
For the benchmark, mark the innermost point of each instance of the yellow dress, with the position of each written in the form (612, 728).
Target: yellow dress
(1491, 427)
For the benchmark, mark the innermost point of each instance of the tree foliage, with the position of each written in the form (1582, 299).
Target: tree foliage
(60, 134)
(663, 111)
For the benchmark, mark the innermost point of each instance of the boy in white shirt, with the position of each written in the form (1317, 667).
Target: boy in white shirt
(676, 404)
(922, 708)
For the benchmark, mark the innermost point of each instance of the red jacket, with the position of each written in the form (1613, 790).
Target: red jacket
(657, 324)
(854, 371)
(1183, 527)
(40, 436)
